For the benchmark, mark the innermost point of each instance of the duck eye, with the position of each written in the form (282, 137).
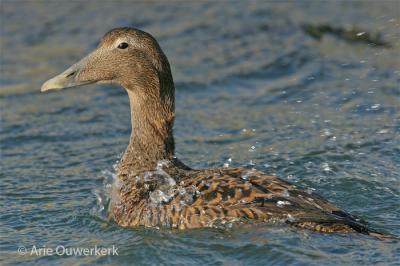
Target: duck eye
(122, 45)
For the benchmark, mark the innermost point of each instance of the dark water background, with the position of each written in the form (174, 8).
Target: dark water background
(252, 87)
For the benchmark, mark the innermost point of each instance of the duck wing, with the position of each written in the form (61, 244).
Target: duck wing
(237, 194)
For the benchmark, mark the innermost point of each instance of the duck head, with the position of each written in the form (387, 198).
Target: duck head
(125, 56)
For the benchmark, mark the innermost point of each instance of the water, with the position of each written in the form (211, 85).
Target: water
(252, 89)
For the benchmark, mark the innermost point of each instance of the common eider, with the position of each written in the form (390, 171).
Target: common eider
(153, 188)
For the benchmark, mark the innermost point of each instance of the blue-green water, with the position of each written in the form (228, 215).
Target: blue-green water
(252, 88)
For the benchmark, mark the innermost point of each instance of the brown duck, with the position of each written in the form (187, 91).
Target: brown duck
(152, 187)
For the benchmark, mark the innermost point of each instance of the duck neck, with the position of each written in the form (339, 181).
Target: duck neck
(152, 115)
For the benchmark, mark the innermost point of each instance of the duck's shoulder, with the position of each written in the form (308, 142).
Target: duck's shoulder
(239, 178)
(237, 182)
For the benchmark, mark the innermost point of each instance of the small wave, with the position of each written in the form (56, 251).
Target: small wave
(103, 195)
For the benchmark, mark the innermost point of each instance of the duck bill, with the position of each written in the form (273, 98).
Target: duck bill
(67, 79)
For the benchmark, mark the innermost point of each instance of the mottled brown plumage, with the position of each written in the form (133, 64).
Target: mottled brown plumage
(152, 187)
(215, 197)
